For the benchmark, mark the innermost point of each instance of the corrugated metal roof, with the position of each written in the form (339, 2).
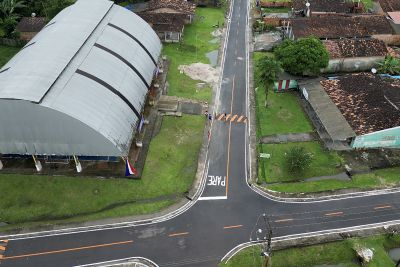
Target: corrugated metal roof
(106, 41)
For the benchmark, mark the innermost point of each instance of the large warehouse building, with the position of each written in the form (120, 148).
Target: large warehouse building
(78, 88)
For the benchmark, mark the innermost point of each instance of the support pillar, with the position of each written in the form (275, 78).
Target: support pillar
(77, 164)
(38, 164)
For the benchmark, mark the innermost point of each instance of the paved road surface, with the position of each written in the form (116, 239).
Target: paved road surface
(228, 210)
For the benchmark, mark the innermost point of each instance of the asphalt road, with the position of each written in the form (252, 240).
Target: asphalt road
(227, 212)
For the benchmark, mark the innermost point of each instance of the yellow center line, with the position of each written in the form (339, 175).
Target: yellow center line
(284, 220)
(233, 118)
(233, 226)
(334, 213)
(229, 140)
(67, 250)
(382, 207)
(178, 234)
(2, 248)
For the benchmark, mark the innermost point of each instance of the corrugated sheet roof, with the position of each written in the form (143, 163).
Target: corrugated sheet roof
(94, 62)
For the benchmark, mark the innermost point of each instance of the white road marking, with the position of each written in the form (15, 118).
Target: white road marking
(213, 198)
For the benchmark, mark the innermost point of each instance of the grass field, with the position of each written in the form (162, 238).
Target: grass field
(324, 162)
(193, 49)
(6, 53)
(169, 171)
(336, 253)
(377, 179)
(283, 114)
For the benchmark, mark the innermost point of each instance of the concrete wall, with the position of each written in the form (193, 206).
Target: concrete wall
(389, 39)
(354, 64)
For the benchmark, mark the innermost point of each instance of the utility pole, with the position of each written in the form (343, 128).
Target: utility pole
(263, 234)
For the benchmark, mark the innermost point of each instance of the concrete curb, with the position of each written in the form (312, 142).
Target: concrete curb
(307, 198)
(127, 262)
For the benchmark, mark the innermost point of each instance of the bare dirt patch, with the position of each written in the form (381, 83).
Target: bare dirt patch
(202, 72)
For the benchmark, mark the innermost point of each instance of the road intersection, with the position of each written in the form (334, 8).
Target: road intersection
(225, 214)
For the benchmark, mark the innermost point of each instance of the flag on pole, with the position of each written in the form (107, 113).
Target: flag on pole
(129, 170)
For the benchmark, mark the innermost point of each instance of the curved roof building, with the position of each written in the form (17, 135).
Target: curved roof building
(79, 86)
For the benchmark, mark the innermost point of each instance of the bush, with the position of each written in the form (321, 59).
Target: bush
(302, 57)
(298, 159)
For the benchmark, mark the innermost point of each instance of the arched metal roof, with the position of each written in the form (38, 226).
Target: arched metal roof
(93, 62)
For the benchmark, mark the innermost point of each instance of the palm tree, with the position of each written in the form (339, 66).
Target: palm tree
(268, 70)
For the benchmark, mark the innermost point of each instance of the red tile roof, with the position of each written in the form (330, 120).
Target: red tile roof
(323, 5)
(337, 26)
(31, 24)
(368, 102)
(347, 48)
(390, 5)
(180, 6)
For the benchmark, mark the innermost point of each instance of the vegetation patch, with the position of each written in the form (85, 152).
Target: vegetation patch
(6, 53)
(378, 179)
(169, 172)
(283, 113)
(193, 49)
(342, 253)
(277, 169)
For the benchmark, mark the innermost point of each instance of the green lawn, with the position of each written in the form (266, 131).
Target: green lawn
(6, 53)
(335, 253)
(324, 162)
(193, 49)
(283, 114)
(170, 168)
(377, 179)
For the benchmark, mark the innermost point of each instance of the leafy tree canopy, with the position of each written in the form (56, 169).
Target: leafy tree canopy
(304, 56)
(268, 70)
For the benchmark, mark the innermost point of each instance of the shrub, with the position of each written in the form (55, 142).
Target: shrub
(298, 159)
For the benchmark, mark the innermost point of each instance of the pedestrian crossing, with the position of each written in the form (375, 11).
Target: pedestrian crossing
(3, 245)
(231, 118)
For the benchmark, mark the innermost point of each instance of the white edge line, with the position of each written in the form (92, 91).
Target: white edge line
(213, 198)
(118, 260)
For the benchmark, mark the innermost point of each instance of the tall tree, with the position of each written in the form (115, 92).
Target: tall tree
(268, 70)
(302, 57)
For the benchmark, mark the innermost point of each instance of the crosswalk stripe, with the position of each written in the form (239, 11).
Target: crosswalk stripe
(245, 120)
(240, 118)
(228, 116)
(233, 118)
(1, 256)
(2, 248)
(4, 241)
(220, 117)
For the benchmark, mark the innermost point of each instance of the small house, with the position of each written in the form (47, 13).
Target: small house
(30, 26)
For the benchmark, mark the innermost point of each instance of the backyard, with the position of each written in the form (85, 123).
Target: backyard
(168, 174)
(196, 43)
(340, 253)
(323, 162)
